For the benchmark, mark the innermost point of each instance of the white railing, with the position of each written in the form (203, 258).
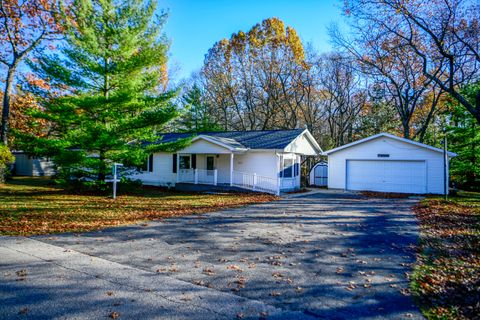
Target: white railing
(252, 181)
(186, 175)
(206, 176)
(288, 183)
(197, 176)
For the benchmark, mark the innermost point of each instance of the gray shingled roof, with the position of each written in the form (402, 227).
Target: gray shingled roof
(267, 139)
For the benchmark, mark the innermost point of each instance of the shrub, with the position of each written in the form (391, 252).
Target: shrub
(6, 158)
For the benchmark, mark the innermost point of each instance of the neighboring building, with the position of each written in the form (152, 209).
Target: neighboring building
(265, 161)
(387, 163)
(27, 165)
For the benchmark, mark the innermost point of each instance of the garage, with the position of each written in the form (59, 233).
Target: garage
(387, 176)
(387, 163)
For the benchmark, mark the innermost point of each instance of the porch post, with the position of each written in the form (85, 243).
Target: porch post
(215, 177)
(195, 172)
(231, 169)
(279, 181)
(254, 181)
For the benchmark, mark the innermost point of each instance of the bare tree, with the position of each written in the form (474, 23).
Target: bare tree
(443, 34)
(396, 66)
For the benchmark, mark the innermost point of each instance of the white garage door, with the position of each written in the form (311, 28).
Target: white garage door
(387, 176)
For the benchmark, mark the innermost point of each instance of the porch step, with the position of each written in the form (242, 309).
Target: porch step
(190, 187)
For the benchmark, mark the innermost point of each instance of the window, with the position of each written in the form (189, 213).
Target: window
(184, 162)
(174, 167)
(194, 161)
(210, 163)
(287, 168)
(150, 163)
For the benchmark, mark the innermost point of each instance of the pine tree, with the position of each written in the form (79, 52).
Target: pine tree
(196, 114)
(464, 139)
(103, 93)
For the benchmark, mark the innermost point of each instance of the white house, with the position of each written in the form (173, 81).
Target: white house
(387, 163)
(266, 161)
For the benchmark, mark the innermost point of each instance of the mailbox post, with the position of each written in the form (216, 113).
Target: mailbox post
(115, 180)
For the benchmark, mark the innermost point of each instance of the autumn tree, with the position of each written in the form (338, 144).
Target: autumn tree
(105, 92)
(253, 77)
(21, 120)
(24, 26)
(444, 36)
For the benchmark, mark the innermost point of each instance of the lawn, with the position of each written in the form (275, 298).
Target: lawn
(446, 280)
(31, 206)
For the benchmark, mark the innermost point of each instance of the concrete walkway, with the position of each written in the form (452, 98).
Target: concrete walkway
(319, 256)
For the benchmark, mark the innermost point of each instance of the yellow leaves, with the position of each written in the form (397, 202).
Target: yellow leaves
(269, 38)
(30, 206)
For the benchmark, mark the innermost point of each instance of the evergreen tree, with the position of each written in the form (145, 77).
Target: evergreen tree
(196, 116)
(103, 93)
(464, 139)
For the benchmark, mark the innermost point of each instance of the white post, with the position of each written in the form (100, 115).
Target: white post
(279, 168)
(195, 172)
(114, 182)
(115, 168)
(254, 181)
(231, 169)
(215, 177)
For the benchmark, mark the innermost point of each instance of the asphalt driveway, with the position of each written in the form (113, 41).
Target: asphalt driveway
(328, 255)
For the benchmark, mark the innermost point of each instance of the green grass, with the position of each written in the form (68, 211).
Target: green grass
(446, 279)
(31, 206)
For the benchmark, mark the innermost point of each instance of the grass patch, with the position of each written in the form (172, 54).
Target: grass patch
(446, 279)
(30, 206)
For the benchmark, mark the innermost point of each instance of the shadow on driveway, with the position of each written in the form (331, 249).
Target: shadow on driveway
(325, 255)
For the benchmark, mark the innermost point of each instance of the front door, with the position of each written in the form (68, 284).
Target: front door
(210, 163)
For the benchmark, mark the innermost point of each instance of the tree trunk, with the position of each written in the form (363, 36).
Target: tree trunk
(6, 105)
(102, 167)
(406, 129)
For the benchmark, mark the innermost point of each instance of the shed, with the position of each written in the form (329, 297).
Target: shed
(387, 163)
(319, 174)
(28, 165)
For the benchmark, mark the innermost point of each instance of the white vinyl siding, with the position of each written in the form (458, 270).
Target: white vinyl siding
(401, 152)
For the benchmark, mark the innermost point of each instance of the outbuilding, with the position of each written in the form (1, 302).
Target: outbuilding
(387, 163)
(28, 165)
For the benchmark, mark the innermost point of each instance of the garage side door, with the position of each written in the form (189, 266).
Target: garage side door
(386, 176)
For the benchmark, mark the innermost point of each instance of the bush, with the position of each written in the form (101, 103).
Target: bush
(95, 187)
(6, 158)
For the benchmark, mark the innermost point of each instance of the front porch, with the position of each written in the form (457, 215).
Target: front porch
(219, 170)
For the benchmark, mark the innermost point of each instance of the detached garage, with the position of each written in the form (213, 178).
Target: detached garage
(387, 163)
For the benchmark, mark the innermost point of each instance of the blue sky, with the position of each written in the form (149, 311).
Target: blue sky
(195, 25)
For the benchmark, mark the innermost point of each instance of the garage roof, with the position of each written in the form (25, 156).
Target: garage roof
(384, 134)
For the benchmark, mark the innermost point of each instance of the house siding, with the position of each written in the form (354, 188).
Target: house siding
(33, 166)
(397, 150)
(262, 163)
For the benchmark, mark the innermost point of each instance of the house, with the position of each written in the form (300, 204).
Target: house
(28, 165)
(265, 161)
(387, 163)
